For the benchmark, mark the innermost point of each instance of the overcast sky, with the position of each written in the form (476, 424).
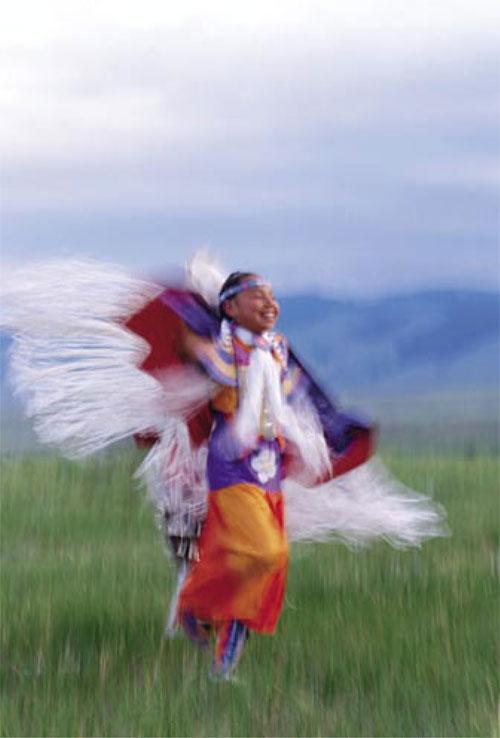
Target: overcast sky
(347, 147)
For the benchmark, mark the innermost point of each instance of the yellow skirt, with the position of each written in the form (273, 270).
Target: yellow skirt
(241, 574)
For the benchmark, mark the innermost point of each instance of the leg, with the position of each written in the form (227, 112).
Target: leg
(231, 638)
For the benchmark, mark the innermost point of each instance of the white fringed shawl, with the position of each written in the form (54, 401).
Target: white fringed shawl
(76, 368)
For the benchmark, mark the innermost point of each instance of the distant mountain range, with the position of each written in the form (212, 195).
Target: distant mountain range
(423, 342)
(386, 351)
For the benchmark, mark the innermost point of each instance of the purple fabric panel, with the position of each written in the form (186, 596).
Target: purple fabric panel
(193, 310)
(198, 316)
(225, 467)
(340, 428)
(212, 370)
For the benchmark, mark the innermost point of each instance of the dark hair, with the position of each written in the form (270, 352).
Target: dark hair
(234, 279)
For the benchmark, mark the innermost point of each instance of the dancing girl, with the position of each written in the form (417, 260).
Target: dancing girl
(245, 451)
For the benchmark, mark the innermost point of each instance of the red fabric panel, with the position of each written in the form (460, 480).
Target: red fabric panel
(359, 450)
(200, 426)
(357, 453)
(162, 329)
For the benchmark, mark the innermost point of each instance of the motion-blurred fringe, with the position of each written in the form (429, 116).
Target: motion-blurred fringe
(72, 362)
(360, 506)
(175, 477)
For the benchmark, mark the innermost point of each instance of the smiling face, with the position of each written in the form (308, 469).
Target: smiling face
(255, 308)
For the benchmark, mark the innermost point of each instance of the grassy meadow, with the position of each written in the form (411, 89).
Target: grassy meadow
(376, 643)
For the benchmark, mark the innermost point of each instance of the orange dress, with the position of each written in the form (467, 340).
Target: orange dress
(242, 568)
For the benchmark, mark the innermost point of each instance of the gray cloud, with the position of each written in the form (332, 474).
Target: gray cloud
(325, 164)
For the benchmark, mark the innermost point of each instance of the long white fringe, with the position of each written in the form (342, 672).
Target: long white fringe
(175, 477)
(170, 629)
(360, 506)
(72, 363)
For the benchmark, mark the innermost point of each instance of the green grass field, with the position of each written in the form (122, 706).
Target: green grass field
(376, 643)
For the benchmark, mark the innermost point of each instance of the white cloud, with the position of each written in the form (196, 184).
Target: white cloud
(111, 72)
(320, 125)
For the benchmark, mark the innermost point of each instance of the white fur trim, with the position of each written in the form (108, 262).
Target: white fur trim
(298, 423)
(260, 376)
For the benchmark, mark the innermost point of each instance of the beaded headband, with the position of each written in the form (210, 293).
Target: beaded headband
(240, 287)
